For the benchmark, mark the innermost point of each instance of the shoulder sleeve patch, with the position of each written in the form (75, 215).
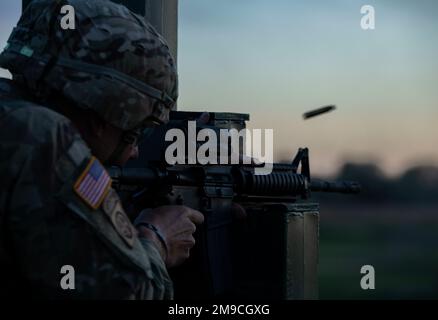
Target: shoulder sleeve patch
(93, 184)
(114, 210)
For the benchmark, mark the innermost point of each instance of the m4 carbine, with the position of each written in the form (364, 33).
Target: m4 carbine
(217, 263)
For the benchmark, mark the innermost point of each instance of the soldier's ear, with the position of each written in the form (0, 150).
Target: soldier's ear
(97, 126)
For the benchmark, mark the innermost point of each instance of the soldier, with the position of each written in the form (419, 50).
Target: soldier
(80, 99)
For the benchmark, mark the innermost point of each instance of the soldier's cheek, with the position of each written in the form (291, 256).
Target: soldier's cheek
(130, 152)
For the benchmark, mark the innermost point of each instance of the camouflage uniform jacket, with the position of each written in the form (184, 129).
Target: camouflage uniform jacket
(45, 224)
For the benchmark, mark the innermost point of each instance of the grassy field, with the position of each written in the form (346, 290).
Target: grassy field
(401, 242)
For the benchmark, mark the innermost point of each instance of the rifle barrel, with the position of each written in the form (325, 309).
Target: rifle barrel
(338, 186)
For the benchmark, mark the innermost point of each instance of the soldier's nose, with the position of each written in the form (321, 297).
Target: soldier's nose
(134, 153)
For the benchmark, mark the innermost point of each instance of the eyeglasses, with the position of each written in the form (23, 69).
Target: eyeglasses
(151, 123)
(134, 137)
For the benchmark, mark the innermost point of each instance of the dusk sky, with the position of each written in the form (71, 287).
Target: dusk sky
(276, 59)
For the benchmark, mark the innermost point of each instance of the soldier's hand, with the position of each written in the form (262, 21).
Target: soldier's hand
(176, 225)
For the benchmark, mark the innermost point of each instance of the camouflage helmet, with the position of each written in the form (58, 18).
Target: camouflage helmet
(113, 62)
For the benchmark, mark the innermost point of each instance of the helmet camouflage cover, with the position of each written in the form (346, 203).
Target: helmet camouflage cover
(113, 62)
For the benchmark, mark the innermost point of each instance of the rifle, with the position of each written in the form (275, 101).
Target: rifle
(216, 263)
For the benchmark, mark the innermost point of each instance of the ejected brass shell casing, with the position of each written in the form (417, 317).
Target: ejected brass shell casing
(318, 112)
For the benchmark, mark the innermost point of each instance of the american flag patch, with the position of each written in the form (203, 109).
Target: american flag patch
(93, 184)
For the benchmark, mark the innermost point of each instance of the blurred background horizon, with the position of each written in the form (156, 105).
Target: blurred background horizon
(278, 59)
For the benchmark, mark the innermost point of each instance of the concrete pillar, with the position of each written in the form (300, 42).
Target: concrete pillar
(163, 14)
